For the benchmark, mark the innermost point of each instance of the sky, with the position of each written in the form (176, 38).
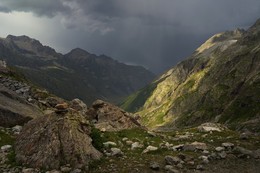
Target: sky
(156, 34)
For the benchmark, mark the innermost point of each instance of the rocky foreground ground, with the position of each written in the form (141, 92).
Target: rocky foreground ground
(208, 148)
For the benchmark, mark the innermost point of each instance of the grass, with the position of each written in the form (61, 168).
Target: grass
(7, 139)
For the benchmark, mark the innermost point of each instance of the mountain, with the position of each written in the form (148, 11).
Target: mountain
(75, 74)
(220, 82)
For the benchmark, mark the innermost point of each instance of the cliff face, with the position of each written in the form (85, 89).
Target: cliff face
(219, 82)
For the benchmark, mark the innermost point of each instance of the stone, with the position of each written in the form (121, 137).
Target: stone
(243, 151)
(244, 136)
(53, 171)
(170, 169)
(228, 145)
(129, 142)
(200, 167)
(42, 139)
(124, 139)
(195, 146)
(256, 154)
(177, 147)
(116, 152)
(222, 155)
(28, 170)
(6, 148)
(17, 128)
(149, 149)
(171, 160)
(154, 166)
(109, 144)
(65, 169)
(219, 149)
(152, 134)
(62, 106)
(136, 145)
(209, 127)
(76, 171)
(79, 105)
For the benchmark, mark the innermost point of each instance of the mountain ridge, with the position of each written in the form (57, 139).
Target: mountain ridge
(218, 83)
(94, 77)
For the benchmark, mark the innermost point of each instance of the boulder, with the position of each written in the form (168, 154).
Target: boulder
(51, 141)
(171, 160)
(195, 146)
(209, 127)
(79, 105)
(150, 148)
(116, 152)
(110, 117)
(154, 166)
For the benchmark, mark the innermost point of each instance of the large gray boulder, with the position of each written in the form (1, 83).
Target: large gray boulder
(109, 117)
(54, 140)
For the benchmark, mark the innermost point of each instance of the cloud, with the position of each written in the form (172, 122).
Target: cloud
(153, 33)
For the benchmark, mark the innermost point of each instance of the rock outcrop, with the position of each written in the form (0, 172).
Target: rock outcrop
(14, 108)
(55, 140)
(108, 117)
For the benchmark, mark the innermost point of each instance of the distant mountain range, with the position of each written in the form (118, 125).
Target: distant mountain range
(77, 74)
(220, 82)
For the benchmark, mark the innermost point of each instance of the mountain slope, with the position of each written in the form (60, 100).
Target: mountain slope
(76, 74)
(219, 82)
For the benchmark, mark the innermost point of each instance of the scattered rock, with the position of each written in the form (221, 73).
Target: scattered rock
(245, 135)
(256, 154)
(170, 169)
(200, 167)
(28, 170)
(65, 169)
(171, 160)
(109, 144)
(17, 129)
(6, 148)
(243, 151)
(129, 142)
(152, 134)
(154, 166)
(222, 155)
(195, 146)
(76, 171)
(136, 145)
(177, 147)
(228, 145)
(219, 149)
(204, 159)
(116, 152)
(150, 148)
(209, 127)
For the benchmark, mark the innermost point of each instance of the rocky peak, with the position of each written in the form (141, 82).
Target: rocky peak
(78, 52)
(28, 45)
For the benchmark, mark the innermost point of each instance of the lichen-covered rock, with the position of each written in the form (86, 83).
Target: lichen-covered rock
(54, 140)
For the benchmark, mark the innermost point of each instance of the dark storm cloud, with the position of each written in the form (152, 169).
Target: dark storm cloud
(153, 33)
